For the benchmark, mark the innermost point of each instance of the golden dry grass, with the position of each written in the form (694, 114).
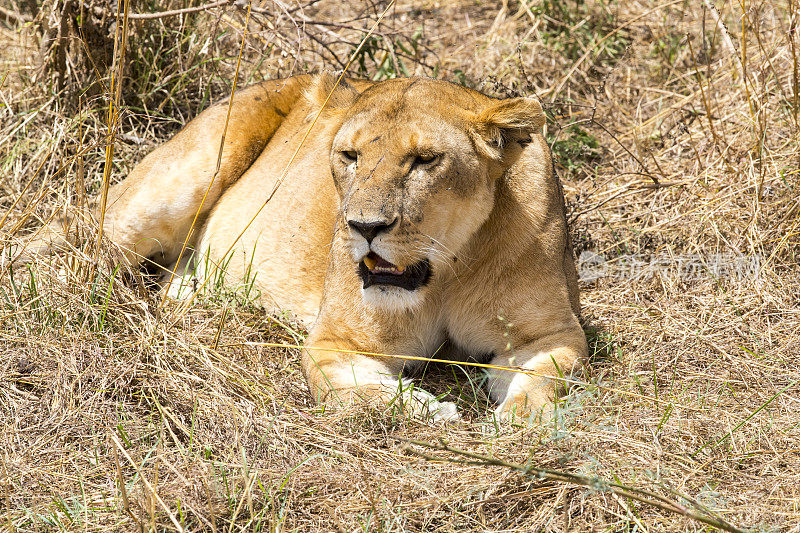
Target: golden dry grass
(677, 139)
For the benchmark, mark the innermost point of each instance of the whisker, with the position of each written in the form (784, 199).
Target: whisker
(434, 253)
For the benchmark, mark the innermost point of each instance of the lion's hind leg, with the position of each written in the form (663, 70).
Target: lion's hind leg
(162, 204)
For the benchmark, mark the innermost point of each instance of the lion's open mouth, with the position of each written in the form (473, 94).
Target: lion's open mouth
(375, 270)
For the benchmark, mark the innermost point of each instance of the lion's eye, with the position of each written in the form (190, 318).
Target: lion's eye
(350, 155)
(425, 159)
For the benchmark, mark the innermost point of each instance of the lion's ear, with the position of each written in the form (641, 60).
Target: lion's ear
(506, 121)
(324, 85)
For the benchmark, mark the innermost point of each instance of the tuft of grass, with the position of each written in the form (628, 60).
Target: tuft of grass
(575, 150)
(571, 27)
(382, 58)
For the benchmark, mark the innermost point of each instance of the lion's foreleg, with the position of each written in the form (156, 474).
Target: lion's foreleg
(339, 378)
(539, 376)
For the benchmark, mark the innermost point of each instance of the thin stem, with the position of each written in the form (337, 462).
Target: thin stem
(116, 88)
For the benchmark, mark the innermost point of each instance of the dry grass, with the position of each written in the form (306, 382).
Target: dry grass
(677, 139)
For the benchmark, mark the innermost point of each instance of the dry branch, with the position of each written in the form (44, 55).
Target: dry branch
(592, 483)
(184, 11)
(19, 18)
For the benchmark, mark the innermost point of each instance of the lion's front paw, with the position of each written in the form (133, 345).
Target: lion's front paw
(423, 404)
(534, 405)
(444, 412)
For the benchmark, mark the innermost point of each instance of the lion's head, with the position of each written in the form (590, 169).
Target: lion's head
(415, 163)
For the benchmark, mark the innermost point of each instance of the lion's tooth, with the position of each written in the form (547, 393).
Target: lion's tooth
(370, 262)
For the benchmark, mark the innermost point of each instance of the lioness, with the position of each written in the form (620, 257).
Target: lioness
(414, 212)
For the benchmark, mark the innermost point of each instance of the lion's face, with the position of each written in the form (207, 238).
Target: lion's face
(416, 167)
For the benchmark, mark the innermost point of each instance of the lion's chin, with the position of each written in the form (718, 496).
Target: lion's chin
(392, 299)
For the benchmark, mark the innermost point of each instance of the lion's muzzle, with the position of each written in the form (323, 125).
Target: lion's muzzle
(375, 270)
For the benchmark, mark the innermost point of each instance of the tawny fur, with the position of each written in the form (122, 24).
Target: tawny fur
(487, 213)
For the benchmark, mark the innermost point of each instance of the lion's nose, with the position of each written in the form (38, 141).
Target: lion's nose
(369, 229)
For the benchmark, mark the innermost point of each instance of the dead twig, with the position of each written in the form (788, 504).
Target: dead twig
(184, 11)
(593, 483)
(14, 16)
